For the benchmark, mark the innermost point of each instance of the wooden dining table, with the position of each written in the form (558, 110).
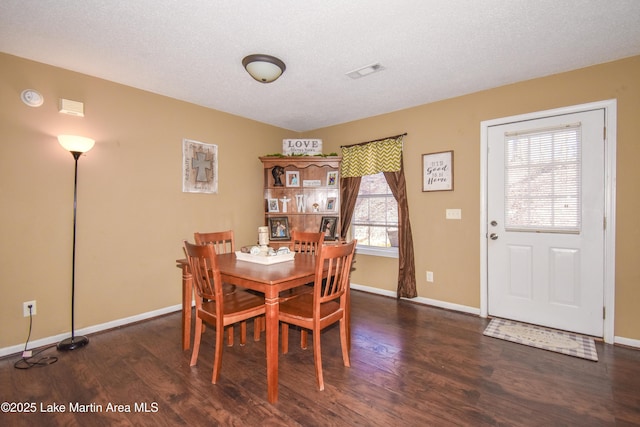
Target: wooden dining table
(267, 279)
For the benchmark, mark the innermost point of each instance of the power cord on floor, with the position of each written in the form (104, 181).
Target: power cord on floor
(30, 359)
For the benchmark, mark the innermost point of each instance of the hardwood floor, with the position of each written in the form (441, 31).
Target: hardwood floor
(411, 365)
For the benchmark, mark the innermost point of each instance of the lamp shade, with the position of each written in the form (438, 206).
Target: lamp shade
(74, 143)
(264, 68)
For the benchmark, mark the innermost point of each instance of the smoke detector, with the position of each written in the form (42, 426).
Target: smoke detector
(32, 98)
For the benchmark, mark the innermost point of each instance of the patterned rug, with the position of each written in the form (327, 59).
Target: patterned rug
(544, 338)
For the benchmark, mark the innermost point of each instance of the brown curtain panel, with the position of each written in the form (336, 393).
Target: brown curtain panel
(407, 267)
(383, 155)
(348, 195)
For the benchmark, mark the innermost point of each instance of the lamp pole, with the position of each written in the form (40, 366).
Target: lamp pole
(76, 151)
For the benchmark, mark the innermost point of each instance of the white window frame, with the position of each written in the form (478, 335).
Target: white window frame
(391, 252)
(388, 252)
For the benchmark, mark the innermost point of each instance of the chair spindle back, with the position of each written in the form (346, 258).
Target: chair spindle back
(307, 242)
(223, 241)
(204, 270)
(338, 259)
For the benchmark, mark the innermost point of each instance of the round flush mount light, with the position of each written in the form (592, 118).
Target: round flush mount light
(32, 98)
(264, 68)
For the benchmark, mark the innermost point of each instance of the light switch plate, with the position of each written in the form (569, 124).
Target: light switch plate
(454, 213)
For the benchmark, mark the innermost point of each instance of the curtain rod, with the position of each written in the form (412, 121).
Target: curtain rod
(375, 140)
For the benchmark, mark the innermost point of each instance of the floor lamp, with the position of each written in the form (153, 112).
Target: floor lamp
(76, 145)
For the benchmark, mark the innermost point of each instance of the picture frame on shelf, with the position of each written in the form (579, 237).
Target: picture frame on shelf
(272, 205)
(293, 179)
(328, 225)
(437, 171)
(332, 179)
(279, 228)
(331, 204)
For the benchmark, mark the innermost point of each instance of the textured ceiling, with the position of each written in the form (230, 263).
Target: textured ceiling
(430, 50)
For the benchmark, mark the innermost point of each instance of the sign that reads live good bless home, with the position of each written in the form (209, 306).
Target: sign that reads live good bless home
(310, 147)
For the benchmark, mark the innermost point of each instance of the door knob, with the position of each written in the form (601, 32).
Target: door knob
(493, 236)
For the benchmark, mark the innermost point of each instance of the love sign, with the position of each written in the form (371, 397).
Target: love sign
(310, 147)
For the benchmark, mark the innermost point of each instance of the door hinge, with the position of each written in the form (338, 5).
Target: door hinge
(604, 313)
(604, 223)
(604, 133)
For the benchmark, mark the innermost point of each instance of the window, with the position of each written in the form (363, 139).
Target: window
(542, 180)
(375, 217)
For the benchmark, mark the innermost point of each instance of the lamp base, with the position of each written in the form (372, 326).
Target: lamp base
(73, 343)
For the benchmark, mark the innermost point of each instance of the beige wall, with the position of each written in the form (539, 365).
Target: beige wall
(132, 213)
(130, 191)
(451, 249)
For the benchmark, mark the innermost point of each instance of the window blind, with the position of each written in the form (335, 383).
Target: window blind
(543, 180)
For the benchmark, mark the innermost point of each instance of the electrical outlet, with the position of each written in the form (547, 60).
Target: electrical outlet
(429, 276)
(25, 308)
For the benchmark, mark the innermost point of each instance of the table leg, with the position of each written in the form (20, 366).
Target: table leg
(187, 297)
(272, 309)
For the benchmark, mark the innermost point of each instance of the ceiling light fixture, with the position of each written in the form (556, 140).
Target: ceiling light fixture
(264, 68)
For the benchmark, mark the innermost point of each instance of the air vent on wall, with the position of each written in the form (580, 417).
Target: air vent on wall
(73, 108)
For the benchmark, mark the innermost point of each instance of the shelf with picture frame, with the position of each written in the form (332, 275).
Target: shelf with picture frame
(304, 190)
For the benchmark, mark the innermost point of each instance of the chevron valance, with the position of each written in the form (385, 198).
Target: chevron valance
(384, 155)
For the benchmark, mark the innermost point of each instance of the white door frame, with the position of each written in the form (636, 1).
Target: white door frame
(610, 107)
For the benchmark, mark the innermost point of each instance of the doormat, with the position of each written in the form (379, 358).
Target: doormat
(543, 338)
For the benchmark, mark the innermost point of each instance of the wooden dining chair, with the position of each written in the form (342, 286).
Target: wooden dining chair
(212, 305)
(303, 242)
(327, 304)
(224, 243)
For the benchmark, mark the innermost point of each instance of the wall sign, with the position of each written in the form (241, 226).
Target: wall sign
(437, 171)
(199, 167)
(309, 147)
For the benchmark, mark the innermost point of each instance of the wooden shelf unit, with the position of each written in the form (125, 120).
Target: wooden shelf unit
(313, 173)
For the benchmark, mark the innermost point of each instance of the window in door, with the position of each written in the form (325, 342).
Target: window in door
(542, 180)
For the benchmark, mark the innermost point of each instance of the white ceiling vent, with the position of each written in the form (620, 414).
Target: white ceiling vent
(365, 71)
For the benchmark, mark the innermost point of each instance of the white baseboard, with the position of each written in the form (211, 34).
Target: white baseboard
(421, 300)
(627, 341)
(371, 290)
(17, 349)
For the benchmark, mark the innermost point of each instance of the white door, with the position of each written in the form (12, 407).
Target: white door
(545, 214)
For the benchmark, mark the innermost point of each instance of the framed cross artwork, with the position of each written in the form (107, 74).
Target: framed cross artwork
(199, 167)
